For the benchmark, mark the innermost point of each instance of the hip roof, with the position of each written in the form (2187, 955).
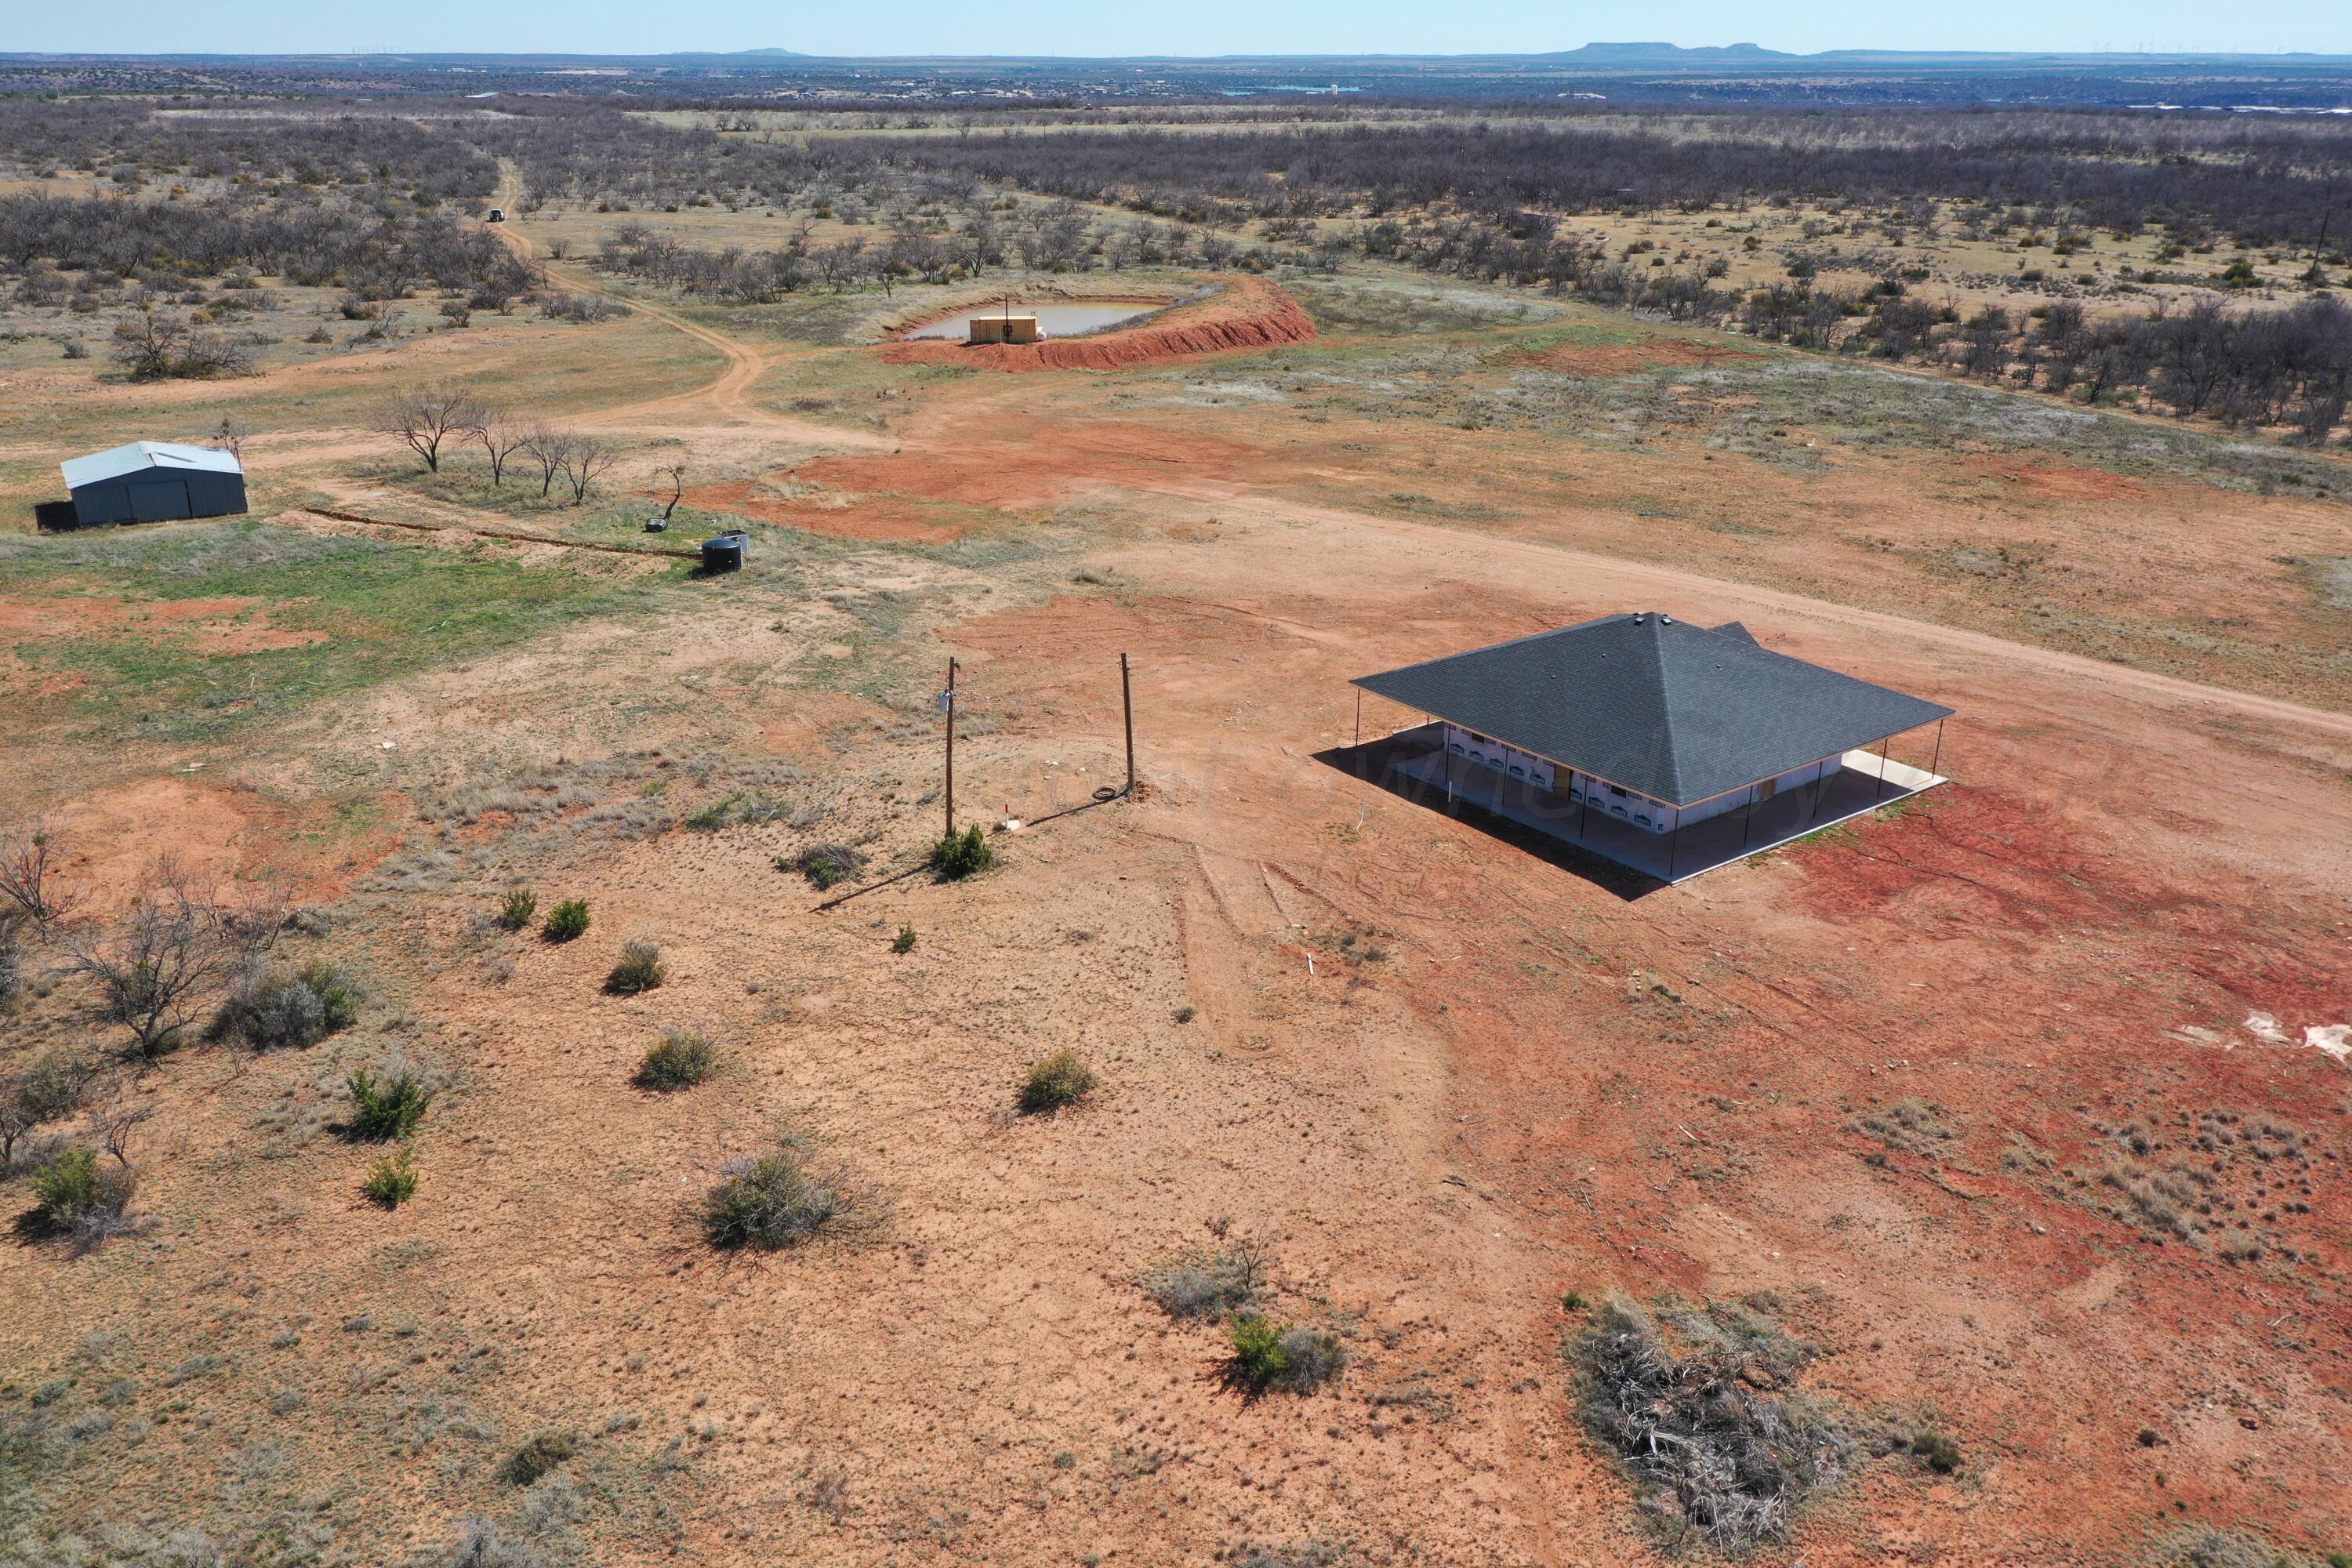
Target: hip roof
(1679, 712)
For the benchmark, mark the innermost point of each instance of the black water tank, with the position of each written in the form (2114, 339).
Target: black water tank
(726, 553)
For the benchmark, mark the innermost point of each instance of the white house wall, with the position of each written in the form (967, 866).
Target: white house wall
(1510, 761)
(1626, 805)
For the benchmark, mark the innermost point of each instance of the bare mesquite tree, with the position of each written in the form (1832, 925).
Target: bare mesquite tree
(501, 436)
(154, 967)
(116, 1116)
(30, 897)
(155, 346)
(551, 449)
(585, 461)
(30, 854)
(427, 419)
(675, 474)
(232, 435)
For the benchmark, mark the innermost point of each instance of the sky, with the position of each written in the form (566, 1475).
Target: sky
(1191, 28)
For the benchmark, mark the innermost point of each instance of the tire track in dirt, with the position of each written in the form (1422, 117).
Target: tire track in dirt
(1591, 570)
(1217, 951)
(1232, 913)
(729, 396)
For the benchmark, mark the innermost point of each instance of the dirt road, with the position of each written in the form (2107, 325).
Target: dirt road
(729, 398)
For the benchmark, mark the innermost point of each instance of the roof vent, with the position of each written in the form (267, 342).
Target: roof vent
(1665, 620)
(1637, 617)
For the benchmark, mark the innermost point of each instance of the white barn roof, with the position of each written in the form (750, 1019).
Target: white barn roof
(118, 461)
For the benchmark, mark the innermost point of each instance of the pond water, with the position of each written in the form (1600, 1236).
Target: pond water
(1059, 319)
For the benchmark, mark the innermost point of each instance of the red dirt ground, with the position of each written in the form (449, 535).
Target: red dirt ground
(218, 835)
(1055, 458)
(867, 520)
(218, 627)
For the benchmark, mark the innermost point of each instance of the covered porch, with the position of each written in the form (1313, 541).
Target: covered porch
(1415, 764)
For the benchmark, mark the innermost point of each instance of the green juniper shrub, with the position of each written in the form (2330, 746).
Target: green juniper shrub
(1268, 1354)
(708, 818)
(388, 1108)
(772, 1201)
(676, 1060)
(566, 921)
(536, 1458)
(961, 854)
(905, 940)
(639, 970)
(1573, 1301)
(1943, 1455)
(826, 865)
(1062, 1079)
(517, 907)
(75, 1196)
(1187, 1012)
(339, 994)
(390, 1181)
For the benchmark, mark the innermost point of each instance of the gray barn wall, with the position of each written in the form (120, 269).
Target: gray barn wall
(208, 494)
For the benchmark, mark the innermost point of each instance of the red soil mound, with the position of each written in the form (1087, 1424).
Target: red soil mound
(1250, 313)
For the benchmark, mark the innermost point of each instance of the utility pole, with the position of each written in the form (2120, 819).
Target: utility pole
(1127, 710)
(947, 701)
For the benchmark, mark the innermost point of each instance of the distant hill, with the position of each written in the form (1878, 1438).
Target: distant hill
(1641, 56)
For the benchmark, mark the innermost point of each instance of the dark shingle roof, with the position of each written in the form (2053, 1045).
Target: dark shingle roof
(1676, 712)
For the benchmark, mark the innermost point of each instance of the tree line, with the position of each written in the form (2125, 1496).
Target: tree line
(434, 421)
(2268, 185)
(380, 258)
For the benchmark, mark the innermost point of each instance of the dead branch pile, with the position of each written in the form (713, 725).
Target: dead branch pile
(1683, 1397)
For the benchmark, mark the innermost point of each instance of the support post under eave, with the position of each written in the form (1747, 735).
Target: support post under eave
(1939, 759)
(1674, 843)
(1879, 793)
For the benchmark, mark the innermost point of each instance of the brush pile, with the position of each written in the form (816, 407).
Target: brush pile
(1686, 1397)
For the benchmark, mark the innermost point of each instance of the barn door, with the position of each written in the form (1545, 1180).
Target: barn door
(153, 500)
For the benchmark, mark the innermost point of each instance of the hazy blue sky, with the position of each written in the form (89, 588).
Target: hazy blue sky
(1179, 26)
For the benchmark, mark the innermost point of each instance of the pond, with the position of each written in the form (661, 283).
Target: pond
(1057, 319)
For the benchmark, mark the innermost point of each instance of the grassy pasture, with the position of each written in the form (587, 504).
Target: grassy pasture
(377, 610)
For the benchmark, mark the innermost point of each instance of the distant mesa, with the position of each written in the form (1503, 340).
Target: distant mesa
(1668, 54)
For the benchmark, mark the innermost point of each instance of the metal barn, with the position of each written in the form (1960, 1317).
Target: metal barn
(153, 481)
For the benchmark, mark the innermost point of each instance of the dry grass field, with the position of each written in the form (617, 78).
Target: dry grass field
(2004, 1137)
